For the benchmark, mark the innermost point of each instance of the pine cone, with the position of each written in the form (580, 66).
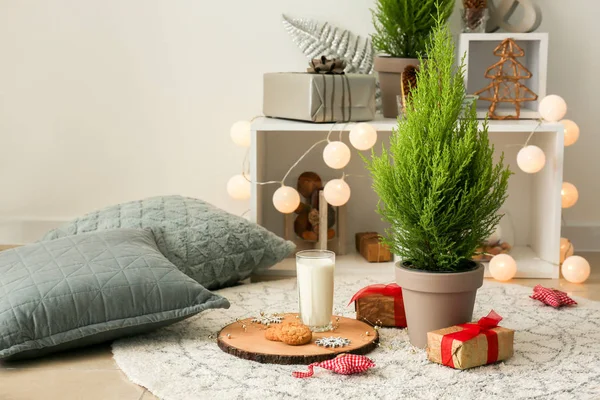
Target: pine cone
(474, 15)
(409, 79)
(474, 4)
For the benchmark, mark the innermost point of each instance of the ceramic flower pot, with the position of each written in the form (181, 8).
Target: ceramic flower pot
(389, 70)
(434, 300)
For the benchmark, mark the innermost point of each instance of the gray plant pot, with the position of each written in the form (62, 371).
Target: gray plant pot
(389, 70)
(437, 300)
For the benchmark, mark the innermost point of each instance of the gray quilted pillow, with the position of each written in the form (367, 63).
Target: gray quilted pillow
(91, 288)
(215, 248)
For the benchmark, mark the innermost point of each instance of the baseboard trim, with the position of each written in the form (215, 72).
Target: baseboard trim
(585, 237)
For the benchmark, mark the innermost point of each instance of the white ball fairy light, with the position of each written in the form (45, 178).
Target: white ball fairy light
(571, 131)
(552, 108)
(569, 195)
(336, 155)
(337, 192)
(566, 249)
(363, 136)
(531, 159)
(238, 187)
(576, 269)
(286, 199)
(240, 133)
(503, 267)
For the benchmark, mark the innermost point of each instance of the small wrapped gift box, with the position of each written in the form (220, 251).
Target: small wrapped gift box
(318, 97)
(369, 245)
(471, 345)
(380, 305)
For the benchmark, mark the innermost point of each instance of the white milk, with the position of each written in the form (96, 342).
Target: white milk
(315, 290)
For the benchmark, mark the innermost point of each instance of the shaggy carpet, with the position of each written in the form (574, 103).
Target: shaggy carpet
(557, 354)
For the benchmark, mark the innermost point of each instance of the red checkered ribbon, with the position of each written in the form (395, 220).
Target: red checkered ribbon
(345, 364)
(552, 297)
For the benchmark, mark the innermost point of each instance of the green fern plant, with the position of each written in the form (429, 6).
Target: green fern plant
(439, 187)
(403, 27)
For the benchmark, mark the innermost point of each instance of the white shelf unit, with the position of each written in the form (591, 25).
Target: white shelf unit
(533, 205)
(479, 48)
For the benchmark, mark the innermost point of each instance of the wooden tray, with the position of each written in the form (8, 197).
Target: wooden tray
(252, 345)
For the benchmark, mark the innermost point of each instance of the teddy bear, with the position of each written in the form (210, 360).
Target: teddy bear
(306, 224)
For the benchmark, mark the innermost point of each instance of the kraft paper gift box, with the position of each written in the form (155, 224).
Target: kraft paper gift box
(319, 97)
(380, 305)
(369, 245)
(471, 345)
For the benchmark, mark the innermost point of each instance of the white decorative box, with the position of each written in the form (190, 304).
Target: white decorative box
(479, 49)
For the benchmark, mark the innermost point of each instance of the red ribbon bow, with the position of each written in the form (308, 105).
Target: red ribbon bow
(391, 290)
(471, 331)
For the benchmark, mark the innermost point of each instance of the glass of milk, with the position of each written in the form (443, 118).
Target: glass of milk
(314, 269)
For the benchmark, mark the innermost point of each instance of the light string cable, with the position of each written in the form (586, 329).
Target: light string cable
(562, 216)
(245, 166)
(539, 123)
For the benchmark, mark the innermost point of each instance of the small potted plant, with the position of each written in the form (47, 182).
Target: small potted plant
(402, 28)
(440, 192)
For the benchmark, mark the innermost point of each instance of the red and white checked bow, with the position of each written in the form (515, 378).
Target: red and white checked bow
(345, 364)
(552, 297)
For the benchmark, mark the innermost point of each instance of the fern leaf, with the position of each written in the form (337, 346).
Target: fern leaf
(315, 39)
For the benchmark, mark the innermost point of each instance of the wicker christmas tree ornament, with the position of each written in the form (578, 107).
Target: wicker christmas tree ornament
(506, 76)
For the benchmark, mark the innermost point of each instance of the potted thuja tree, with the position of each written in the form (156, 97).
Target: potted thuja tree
(440, 191)
(402, 28)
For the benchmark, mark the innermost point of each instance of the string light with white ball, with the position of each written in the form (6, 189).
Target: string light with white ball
(576, 269)
(238, 187)
(569, 195)
(503, 267)
(363, 136)
(571, 132)
(286, 199)
(336, 155)
(337, 192)
(532, 159)
(241, 133)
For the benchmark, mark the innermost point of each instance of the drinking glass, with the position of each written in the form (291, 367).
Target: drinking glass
(314, 269)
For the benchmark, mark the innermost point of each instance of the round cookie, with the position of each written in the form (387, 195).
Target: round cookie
(295, 334)
(272, 333)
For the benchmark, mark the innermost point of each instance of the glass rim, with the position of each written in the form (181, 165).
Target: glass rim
(315, 254)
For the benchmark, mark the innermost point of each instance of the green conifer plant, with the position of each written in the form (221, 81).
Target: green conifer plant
(439, 188)
(403, 27)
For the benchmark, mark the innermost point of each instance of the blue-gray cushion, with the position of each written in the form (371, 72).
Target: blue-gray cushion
(91, 288)
(215, 248)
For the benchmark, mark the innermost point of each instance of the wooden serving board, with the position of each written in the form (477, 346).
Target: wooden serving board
(252, 345)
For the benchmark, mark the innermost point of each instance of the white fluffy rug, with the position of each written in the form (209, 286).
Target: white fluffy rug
(557, 355)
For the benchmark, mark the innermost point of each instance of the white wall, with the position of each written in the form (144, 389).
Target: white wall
(573, 74)
(114, 100)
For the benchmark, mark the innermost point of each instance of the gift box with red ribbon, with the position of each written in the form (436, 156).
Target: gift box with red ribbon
(471, 345)
(380, 305)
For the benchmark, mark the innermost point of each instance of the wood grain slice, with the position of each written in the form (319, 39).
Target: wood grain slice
(252, 345)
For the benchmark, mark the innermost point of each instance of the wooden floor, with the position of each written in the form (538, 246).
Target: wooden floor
(91, 373)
